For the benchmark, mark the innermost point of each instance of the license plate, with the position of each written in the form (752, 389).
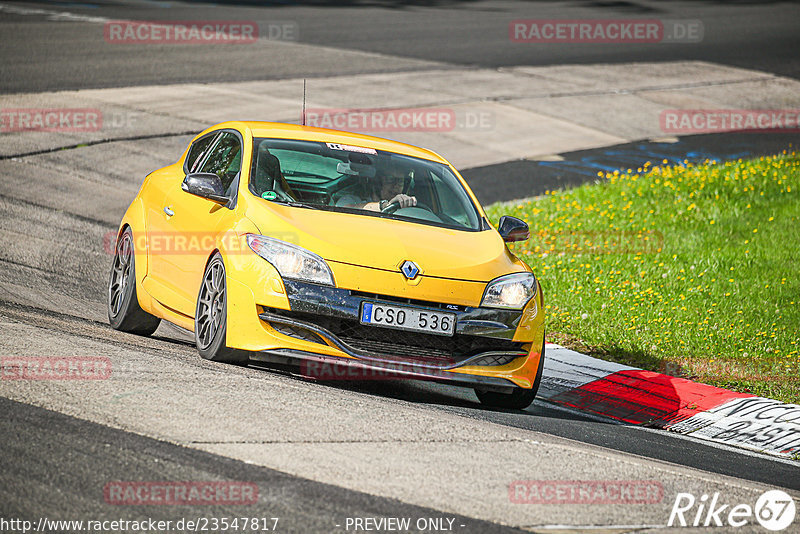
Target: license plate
(414, 319)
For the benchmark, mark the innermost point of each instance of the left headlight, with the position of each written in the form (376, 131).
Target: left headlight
(291, 261)
(512, 291)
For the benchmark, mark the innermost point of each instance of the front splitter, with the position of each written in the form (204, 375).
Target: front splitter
(331, 368)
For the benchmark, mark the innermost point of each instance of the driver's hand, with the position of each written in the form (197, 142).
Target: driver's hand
(405, 201)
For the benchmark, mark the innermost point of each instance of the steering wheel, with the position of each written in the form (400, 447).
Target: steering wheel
(394, 206)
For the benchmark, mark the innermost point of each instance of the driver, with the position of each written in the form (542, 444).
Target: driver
(388, 190)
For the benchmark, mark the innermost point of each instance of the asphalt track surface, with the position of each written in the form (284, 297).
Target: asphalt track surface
(54, 291)
(97, 454)
(755, 35)
(53, 303)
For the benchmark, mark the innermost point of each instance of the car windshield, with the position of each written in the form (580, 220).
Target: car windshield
(360, 180)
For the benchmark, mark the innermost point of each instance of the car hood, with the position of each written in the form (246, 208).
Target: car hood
(383, 243)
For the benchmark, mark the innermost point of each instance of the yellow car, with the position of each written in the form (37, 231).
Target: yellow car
(352, 257)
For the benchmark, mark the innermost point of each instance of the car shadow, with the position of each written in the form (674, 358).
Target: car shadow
(416, 391)
(431, 393)
(649, 396)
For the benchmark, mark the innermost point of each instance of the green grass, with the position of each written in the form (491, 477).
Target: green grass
(689, 270)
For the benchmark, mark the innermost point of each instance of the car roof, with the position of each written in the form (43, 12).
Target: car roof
(310, 133)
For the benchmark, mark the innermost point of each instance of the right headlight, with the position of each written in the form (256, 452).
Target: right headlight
(512, 291)
(291, 261)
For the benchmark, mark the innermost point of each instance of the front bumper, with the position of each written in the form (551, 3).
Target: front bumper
(486, 351)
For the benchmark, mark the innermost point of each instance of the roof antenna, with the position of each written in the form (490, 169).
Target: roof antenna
(304, 102)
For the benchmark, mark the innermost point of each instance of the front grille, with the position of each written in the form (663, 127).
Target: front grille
(393, 351)
(412, 347)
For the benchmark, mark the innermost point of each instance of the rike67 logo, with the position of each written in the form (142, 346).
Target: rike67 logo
(774, 510)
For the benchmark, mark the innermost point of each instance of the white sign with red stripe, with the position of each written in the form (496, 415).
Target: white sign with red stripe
(756, 423)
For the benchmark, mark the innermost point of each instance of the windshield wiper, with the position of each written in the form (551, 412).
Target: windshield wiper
(294, 203)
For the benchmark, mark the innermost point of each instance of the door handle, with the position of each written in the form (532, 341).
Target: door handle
(168, 211)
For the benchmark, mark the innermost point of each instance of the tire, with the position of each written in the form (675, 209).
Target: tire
(519, 399)
(124, 312)
(211, 317)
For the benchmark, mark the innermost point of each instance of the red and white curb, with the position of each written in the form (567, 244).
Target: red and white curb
(661, 401)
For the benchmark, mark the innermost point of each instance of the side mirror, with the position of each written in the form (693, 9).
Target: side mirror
(205, 185)
(512, 229)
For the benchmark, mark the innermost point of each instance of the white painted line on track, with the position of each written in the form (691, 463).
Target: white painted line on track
(58, 16)
(592, 527)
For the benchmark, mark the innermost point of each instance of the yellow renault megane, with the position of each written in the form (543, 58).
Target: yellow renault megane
(347, 255)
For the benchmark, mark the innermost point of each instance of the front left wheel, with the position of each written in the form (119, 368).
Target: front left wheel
(211, 317)
(124, 312)
(519, 398)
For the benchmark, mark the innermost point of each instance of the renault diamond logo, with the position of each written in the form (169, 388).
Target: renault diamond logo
(409, 269)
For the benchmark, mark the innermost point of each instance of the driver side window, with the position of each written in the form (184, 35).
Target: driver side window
(225, 160)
